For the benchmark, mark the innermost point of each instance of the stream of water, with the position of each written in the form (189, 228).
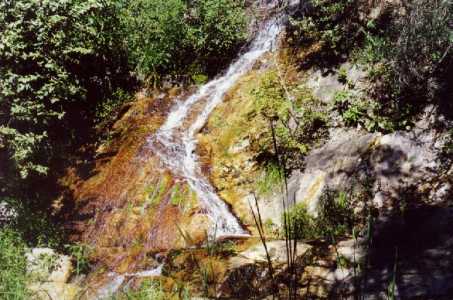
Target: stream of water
(175, 142)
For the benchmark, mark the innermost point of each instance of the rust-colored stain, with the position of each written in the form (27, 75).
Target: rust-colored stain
(110, 210)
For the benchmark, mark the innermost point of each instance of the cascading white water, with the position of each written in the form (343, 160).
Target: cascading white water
(175, 142)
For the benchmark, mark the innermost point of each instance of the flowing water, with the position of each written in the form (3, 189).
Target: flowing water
(175, 142)
(108, 290)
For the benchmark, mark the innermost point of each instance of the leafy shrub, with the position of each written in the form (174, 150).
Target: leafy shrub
(156, 34)
(332, 24)
(272, 177)
(80, 253)
(409, 57)
(107, 110)
(168, 37)
(55, 58)
(371, 115)
(216, 28)
(34, 225)
(423, 51)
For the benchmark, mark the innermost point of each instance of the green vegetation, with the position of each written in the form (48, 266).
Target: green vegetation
(175, 37)
(334, 219)
(148, 290)
(356, 110)
(296, 120)
(411, 55)
(177, 196)
(406, 50)
(80, 253)
(330, 23)
(12, 260)
(47, 53)
(64, 67)
(33, 225)
(272, 177)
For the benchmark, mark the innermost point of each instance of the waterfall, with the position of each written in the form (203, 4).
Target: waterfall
(175, 142)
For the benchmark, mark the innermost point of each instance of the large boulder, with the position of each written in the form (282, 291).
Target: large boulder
(49, 274)
(391, 163)
(248, 273)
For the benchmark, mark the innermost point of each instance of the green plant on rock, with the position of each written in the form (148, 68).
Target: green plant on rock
(148, 289)
(295, 118)
(272, 177)
(177, 196)
(80, 254)
(334, 218)
(153, 194)
(342, 75)
(300, 225)
(371, 115)
(409, 58)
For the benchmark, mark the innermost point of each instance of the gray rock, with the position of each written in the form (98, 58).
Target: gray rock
(324, 86)
(277, 252)
(49, 273)
(7, 213)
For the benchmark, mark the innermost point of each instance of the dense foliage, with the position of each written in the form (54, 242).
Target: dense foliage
(177, 38)
(64, 66)
(57, 58)
(334, 218)
(412, 57)
(406, 49)
(333, 26)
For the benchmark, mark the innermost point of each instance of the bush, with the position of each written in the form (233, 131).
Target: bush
(147, 290)
(216, 29)
(423, 50)
(334, 25)
(169, 37)
(409, 58)
(272, 177)
(156, 34)
(55, 58)
(371, 115)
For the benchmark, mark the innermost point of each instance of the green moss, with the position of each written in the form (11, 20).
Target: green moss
(177, 196)
(155, 193)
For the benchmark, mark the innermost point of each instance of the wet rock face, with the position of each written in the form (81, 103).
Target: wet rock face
(126, 204)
